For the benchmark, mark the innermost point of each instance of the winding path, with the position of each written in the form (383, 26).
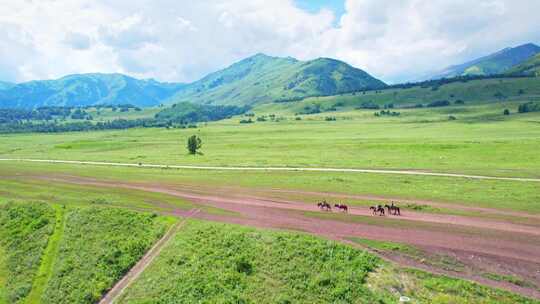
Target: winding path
(232, 168)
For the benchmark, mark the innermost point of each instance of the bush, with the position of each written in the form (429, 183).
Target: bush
(506, 112)
(459, 102)
(529, 107)
(246, 121)
(438, 103)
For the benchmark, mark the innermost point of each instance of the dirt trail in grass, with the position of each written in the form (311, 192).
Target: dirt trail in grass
(314, 169)
(113, 294)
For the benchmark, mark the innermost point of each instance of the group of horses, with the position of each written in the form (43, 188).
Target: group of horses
(324, 205)
(376, 210)
(379, 209)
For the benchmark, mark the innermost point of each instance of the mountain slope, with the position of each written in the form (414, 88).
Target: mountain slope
(86, 89)
(495, 63)
(529, 67)
(262, 78)
(5, 85)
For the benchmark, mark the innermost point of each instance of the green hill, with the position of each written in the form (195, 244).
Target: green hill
(495, 63)
(529, 67)
(86, 89)
(262, 78)
(5, 85)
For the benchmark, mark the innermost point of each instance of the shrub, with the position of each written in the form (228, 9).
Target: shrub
(506, 112)
(529, 107)
(438, 103)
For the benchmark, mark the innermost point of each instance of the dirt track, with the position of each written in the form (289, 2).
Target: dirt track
(483, 243)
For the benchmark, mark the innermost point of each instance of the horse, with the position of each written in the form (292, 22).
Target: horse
(377, 209)
(342, 207)
(393, 209)
(324, 206)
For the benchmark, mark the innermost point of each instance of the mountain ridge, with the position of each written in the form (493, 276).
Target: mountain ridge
(255, 79)
(496, 63)
(261, 78)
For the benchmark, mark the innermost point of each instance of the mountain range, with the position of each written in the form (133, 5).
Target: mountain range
(256, 79)
(86, 89)
(263, 78)
(496, 63)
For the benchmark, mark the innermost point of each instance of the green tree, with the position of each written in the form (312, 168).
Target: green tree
(194, 143)
(506, 112)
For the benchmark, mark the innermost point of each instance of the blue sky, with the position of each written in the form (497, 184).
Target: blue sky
(313, 6)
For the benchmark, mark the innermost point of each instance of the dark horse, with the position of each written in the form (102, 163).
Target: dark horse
(393, 209)
(342, 207)
(324, 206)
(377, 209)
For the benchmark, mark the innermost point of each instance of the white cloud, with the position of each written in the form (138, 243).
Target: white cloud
(183, 40)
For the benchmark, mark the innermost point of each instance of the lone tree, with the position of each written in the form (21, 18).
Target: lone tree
(194, 143)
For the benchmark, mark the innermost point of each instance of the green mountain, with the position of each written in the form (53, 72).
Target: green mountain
(529, 67)
(496, 63)
(86, 89)
(5, 85)
(263, 78)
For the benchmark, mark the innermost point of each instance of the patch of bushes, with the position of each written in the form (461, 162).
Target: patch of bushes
(438, 103)
(221, 263)
(529, 107)
(98, 247)
(25, 229)
(387, 113)
(368, 105)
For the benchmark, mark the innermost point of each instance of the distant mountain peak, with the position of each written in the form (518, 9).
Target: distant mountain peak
(495, 63)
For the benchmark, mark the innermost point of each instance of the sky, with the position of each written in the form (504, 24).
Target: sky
(181, 41)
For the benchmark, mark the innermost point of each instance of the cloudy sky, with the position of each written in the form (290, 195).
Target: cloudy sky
(181, 40)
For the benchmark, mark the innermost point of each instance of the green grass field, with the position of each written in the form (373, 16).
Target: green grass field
(218, 263)
(510, 195)
(24, 234)
(480, 141)
(59, 254)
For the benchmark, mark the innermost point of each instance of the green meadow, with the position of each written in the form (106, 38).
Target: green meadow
(70, 254)
(220, 263)
(480, 141)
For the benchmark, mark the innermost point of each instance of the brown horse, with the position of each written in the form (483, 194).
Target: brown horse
(377, 209)
(324, 206)
(342, 207)
(393, 209)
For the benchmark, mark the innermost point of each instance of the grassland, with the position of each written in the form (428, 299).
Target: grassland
(422, 287)
(24, 233)
(419, 139)
(219, 263)
(99, 245)
(510, 195)
(70, 254)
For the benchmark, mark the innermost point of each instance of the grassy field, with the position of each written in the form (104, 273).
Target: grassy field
(98, 247)
(24, 233)
(510, 195)
(419, 139)
(218, 263)
(70, 254)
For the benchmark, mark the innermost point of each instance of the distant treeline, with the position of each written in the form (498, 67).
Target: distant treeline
(52, 119)
(186, 113)
(52, 127)
(439, 82)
